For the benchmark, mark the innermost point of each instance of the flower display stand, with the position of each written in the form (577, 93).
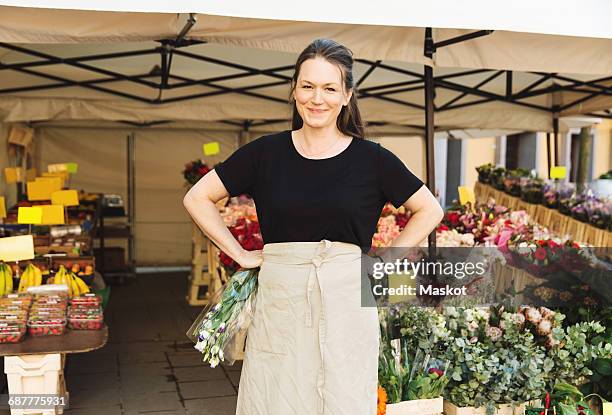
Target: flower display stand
(507, 276)
(554, 220)
(420, 406)
(502, 409)
(206, 273)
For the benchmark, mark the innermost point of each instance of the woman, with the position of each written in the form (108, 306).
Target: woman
(319, 189)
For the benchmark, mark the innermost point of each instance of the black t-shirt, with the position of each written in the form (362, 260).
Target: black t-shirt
(304, 200)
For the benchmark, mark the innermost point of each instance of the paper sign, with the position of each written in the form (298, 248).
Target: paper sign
(30, 175)
(558, 172)
(13, 175)
(55, 182)
(17, 248)
(65, 198)
(29, 215)
(210, 149)
(52, 214)
(41, 190)
(72, 167)
(466, 194)
(2, 208)
(57, 167)
(64, 175)
(607, 408)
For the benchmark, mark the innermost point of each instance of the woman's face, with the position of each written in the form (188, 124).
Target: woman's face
(319, 93)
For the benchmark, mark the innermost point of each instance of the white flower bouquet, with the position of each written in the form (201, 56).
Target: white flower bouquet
(219, 331)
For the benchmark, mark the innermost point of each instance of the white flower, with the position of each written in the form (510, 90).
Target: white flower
(483, 314)
(494, 333)
(214, 361)
(200, 346)
(217, 307)
(474, 339)
(221, 355)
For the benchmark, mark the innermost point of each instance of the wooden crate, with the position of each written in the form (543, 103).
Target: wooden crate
(503, 409)
(420, 406)
(507, 276)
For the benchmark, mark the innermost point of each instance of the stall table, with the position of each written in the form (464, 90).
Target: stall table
(36, 365)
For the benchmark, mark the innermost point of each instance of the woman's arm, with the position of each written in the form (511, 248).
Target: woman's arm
(200, 203)
(426, 214)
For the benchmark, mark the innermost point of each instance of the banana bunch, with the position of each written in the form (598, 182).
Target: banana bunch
(76, 286)
(6, 279)
(31, 277)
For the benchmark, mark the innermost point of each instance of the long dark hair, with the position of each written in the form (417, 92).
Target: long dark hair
(349, 120)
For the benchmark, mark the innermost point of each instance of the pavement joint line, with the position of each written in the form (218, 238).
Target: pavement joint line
(176, 384)
(210, 397)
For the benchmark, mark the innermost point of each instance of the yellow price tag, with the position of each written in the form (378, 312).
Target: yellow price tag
(29, 215)
(52, 214)
(57, 167)
(2, 208)
(466, 194)
(65, 198)
(558, 172)
(17, 248)
(13, 175)
(210, 149)
(55, 182)
(607, 408)
(64, 175)
(41, 190)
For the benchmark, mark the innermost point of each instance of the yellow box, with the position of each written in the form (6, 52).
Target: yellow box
(17, 248)
(29, 215)
(41, 190)
(65, 198)
(57, 167)
(52, 214)
(2, 208)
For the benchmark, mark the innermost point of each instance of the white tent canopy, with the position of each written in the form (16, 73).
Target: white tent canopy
(541, 36)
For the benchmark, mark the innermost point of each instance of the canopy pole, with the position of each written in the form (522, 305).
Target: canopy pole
(548, 155)
(429, 132)
(556, 134)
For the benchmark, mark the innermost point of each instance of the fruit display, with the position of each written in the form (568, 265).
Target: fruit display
(47, 315)
(13, 317)
(31, 277)
(85, 313)
(76, 286)
(6, 279)
(41, 326)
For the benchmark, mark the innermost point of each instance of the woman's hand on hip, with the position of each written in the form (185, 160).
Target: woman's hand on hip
(250, 259)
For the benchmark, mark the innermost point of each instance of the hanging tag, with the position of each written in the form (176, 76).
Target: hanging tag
(13, 175)
(2, 208)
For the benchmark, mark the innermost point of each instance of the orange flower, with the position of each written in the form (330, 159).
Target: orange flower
(382, 401)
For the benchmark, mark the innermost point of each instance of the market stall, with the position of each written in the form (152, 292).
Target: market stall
(395, 95)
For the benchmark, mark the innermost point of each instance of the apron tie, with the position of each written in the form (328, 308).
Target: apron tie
(313, 278)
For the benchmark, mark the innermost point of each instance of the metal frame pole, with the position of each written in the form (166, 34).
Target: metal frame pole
(429, 131)
(131, 189)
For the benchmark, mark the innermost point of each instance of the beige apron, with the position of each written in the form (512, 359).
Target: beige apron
(311, 347)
